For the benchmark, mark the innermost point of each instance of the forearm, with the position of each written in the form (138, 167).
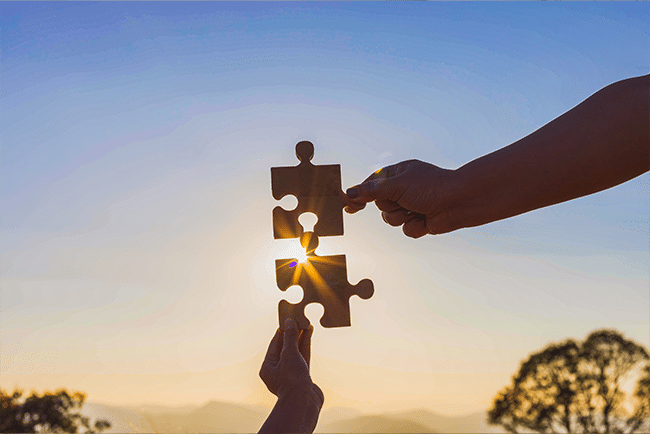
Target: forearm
(600, 143)
(297, 413)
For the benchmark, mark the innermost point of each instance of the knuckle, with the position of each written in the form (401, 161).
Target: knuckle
(395, 218)
(442, 223)
(387, 205)
(414, 228)
(411, 234)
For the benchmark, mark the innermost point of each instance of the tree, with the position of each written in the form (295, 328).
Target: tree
(51, 412)
(642, 395)
(573, 387)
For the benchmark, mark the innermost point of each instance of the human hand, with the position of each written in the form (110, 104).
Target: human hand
(410, 194)
(285, 369)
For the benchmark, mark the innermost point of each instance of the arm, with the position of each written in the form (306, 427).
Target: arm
(602, 142)
(285, 372)
(293, 414)
(598, 144)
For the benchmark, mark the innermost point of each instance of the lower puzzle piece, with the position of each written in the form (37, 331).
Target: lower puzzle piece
(323, 280)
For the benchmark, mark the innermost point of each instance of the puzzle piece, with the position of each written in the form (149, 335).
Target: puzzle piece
(318, 190)
(324, 280)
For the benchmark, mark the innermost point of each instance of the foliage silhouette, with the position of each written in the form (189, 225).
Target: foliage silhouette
(51, 412)
(575, 387)
(642, 395)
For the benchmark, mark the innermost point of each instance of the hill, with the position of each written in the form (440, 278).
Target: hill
(222, 417)
(409, 421)
(212, 417)
(123, 420)
(375, 424)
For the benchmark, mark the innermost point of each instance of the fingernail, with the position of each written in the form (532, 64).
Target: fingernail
(352, 192)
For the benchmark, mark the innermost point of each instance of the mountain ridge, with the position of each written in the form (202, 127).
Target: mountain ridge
(222, 416)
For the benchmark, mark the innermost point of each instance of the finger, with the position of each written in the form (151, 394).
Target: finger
(352, 208)
(360, 193)
(368, 191)
(415, 228)
(440, 224)
(290, 335)
(375, 186)
(388, 205)
(397, 218)
(304, 345)
(275, 347)
(384, 172)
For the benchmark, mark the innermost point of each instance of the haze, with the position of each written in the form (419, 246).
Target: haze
(136, 234)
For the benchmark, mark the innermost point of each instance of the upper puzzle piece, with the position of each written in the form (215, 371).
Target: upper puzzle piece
(318, 190)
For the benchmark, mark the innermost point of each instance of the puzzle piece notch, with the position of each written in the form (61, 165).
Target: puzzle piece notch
(318, 190)
(309, 242)
(323, 280)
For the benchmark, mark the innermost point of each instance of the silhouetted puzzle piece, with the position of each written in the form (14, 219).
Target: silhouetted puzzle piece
(318, 190)
(324, 280)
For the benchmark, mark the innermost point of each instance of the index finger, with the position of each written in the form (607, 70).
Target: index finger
(304, 345)
(384, 172)
(354, 204)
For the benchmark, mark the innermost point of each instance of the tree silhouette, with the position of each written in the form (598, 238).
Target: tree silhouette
(642, 395)
(51, 412)
(576, 388)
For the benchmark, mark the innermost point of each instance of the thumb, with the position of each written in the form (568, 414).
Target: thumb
(369, 191)
(290, 335)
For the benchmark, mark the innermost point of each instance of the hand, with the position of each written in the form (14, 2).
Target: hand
(285, 369)
(410, 194)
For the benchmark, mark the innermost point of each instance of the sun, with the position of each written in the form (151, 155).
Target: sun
(295, 251)
(302, 257)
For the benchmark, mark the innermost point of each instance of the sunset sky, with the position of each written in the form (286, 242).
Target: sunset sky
(136, 244)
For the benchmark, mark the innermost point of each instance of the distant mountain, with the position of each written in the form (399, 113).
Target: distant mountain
(123, 420)
(213, 417)
(375, 424)
(409, 421)
(336, 414)
(222, 417)
(158, 409)
(472, 423)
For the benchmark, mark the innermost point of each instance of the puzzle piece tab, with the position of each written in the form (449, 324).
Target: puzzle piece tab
(318, 190)
(324, 280)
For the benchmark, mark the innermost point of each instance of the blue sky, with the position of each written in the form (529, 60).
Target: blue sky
(136, 229)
